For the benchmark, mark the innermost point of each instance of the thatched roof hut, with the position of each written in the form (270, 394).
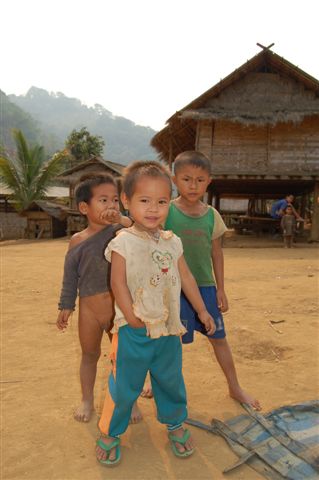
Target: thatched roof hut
(260, 128)
(46, 219)
(93, 164)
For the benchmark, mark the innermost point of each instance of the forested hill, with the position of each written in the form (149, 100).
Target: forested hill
(14, 117)
(57, 115)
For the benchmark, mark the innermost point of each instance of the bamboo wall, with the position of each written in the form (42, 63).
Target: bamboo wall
(12, 225)
(283, 149)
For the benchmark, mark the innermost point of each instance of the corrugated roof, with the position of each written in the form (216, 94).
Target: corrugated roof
(52, 192)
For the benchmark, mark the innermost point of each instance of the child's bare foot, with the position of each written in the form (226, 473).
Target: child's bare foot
(103, 455)
(243, 397)
(136, 414)
(84, 412)
(147, 391)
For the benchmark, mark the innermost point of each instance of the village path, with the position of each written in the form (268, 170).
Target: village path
(40, 387)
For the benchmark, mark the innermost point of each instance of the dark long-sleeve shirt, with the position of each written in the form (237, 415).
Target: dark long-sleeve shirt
(85, 269)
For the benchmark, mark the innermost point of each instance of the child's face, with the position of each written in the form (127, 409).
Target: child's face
(104, 196)
(192, 182)
(149, 203)
(288, 211)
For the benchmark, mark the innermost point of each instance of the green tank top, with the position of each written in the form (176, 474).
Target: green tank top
(196, 235)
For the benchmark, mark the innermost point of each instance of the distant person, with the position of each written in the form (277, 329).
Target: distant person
(200, 227)
(288, 226)
(86, 271)
(278, 208)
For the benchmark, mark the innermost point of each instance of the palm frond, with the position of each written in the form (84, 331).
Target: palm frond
(48, 172)
(28, 175)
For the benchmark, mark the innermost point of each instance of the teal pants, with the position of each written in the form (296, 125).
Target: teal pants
(136, 355)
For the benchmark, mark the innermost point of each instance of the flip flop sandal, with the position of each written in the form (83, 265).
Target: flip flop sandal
(181, 441)
(107, 449)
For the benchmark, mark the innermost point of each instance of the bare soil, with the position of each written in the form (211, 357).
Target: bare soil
(277, 362)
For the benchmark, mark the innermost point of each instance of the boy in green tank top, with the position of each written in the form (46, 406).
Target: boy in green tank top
(200, 228)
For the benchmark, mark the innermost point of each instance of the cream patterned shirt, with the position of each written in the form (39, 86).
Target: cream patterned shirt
(152, 278)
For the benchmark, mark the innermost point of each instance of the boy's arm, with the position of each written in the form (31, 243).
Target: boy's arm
(69, 287)
(70, 277)
(121, 292)
(125, 221)
(190, 289)
(296, 214)
(218, 266)
(111, 215)
(63, 318)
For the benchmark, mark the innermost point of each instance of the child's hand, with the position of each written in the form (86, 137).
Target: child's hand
(63, 318)
(111, 215)
(208, 321)
(222, 301)
(135, 322)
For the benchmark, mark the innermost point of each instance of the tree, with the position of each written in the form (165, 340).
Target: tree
(82, 145)
(27, 174)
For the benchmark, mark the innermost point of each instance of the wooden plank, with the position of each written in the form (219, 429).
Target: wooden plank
(314, 234)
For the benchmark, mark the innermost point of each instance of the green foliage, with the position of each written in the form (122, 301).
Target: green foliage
(82, 145)
(27, 173)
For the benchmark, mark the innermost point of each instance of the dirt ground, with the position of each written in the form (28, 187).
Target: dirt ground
(40, 386)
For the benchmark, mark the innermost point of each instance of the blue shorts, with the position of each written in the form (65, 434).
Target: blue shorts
(190, 320)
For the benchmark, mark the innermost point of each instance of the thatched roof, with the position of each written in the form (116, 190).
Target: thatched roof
(266, 90)
(55, 210)
(92, 164)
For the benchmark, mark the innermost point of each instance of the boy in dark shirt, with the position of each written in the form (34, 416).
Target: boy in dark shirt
(86, 272)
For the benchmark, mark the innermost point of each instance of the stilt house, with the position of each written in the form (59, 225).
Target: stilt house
(259, 126)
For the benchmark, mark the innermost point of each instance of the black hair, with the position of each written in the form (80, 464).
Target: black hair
(288, 206)
(84, 189)
(139, 169)
(193, 158)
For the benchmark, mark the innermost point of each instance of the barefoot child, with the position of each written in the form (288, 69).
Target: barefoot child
(200, 228)
(148, 270)
(288, 226)
(86, 271)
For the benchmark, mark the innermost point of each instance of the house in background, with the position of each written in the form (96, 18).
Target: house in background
(259, 126)
(57, 214)
(71, 177)
(45, 220)
(15, 225)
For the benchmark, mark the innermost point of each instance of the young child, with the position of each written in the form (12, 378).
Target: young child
(148, 270)
(288, 226)
(86, 270)
(200, 228)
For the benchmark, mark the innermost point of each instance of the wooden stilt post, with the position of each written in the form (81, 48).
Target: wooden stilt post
(302, 210)
(217, 201)
(170, 153)
(314, 234)
(210, 196)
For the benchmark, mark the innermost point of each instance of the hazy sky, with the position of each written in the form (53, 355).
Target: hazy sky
(145, 59)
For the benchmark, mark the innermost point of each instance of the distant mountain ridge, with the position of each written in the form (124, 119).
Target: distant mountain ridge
(14, 117)
(56, 115)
